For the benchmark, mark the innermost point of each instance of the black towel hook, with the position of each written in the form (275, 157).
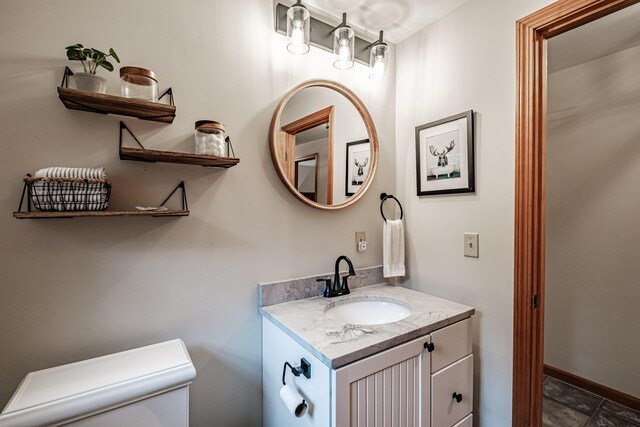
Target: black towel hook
(384, 197)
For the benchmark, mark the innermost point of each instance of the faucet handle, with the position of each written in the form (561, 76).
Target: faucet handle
(327, 286)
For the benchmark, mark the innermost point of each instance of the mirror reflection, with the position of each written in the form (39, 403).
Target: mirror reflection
(322, 146)
(307, 176)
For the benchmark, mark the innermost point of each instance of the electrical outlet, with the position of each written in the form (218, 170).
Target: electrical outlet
(471, 245)
(361, 241)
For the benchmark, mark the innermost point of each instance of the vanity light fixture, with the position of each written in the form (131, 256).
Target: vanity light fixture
(298, 26)
(303, 30)
(343, 45)
(379, 59)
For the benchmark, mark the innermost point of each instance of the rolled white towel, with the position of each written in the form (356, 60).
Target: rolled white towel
(64, 172)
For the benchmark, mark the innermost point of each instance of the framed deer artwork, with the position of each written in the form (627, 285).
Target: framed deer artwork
(445, 156)
(357, 166)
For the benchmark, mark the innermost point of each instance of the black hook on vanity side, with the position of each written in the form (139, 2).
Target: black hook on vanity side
(303, 369)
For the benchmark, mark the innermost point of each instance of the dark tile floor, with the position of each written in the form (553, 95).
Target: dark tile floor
(568, 406)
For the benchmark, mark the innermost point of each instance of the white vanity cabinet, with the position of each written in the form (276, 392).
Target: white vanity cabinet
(427, 381)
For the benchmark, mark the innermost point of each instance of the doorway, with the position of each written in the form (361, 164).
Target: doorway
(533, 32)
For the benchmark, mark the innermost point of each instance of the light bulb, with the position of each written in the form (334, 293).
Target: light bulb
(379, 60)
(343, 45)
(378, 68)
(297, 36)
(344, 52)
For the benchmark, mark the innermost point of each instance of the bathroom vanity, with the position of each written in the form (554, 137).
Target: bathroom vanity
(416, 371)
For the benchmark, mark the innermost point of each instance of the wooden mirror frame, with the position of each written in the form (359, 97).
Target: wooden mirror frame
(368, 123)
(532, 33)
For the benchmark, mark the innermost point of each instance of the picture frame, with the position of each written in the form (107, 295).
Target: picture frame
(306, 176)
(445, 160)
(358, 162)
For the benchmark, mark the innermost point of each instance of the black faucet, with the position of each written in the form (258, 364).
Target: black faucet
(335, 290)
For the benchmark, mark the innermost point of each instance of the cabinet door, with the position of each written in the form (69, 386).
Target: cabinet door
(454, 379)
(388, 389)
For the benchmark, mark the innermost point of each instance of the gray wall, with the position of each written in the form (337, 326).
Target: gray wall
(593, 174)
(466, 60)
(79, 288)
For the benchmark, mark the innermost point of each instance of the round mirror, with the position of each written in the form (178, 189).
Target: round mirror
(324, 145)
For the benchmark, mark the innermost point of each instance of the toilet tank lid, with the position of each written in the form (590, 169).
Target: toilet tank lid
(92, 386)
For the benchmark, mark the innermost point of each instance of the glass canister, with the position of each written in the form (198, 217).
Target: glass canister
(210, 138)
(136, 82)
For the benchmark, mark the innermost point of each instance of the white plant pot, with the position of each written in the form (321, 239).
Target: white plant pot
(90, 82)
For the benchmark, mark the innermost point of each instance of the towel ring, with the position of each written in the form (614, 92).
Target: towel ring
(384, 197)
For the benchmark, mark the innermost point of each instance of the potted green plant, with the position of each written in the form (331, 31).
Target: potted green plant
(91, 59)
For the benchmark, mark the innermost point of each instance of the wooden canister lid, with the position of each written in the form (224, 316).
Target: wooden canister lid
(209, 125)
(138, 71)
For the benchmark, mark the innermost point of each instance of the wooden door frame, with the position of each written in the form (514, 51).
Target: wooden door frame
(532, 33)
(320, 117)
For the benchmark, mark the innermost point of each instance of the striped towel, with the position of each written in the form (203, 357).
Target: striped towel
(62, 172)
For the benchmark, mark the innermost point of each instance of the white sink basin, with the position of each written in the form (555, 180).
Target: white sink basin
(366, 311)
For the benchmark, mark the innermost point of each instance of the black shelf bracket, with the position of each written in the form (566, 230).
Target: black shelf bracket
(124, 127)
(65, 78)
(24, 192)
(185, 205)
(166, 92)
(170, 93)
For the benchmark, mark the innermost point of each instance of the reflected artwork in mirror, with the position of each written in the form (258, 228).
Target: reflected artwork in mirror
(324, 144)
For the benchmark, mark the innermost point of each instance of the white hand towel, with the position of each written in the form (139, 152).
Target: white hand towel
(393, 248)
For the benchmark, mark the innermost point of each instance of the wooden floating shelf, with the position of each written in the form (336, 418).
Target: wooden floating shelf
(144, 155)
(101, 103)
(78, 214)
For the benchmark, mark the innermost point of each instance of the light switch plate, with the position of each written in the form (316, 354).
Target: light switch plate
(471, 245)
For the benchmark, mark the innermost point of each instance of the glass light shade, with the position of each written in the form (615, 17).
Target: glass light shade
(298, 24)
(343, 46)
(379, 62)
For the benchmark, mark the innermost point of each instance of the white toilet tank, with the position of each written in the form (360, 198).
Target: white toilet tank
(144, 387)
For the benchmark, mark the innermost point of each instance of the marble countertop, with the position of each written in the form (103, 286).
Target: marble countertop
(337, 344)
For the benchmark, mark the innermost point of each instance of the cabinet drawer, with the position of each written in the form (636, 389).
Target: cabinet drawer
(450, 344)
(466, 422)
(456, 378)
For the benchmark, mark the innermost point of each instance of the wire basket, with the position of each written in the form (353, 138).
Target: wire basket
(68, 194)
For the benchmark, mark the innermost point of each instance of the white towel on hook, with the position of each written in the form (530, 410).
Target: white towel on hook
(393, 248)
